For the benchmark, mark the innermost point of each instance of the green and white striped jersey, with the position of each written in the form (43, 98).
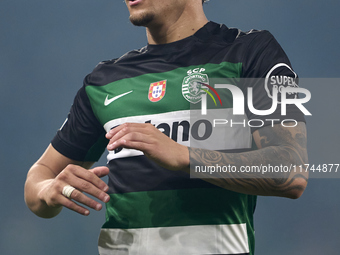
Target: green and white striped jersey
(153, 210)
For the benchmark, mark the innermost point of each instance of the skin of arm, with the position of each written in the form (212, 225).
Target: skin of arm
(277, 146)
(47, 177)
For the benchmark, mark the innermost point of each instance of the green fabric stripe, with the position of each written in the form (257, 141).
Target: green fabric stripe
(178, 208)
(137, 102)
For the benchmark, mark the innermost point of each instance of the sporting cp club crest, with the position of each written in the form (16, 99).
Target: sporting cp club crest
(157, 91)
(192, 87)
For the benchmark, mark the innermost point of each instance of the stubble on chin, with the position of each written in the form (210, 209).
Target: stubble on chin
(142, 19)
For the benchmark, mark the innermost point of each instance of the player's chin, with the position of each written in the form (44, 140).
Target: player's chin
(141, 18)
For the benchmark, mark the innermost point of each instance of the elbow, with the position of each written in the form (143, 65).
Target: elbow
(296, 189)
(295, 194)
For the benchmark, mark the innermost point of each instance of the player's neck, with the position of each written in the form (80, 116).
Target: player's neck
(171, 31)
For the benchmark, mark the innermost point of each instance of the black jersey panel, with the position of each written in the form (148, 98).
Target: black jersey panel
(138, 173)
(82, 137)
(266, 66)
(141, 174)
(211, 44)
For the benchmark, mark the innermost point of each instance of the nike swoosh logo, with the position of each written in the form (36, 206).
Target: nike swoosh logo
(109, 101)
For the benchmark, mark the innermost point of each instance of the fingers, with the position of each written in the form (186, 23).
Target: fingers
(85, 182)
(152, 142)
(131, 135)
(74, 206)
(100, 171)
(128, 128)
(81, 199)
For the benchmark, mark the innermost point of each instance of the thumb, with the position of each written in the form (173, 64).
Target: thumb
(100, 171)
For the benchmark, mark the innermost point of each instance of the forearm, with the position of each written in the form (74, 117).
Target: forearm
(38, 179)
(286, 184)
(278, 146)
(48, 177)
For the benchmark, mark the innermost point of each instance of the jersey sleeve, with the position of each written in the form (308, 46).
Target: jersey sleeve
(267, 67)
(81, 137)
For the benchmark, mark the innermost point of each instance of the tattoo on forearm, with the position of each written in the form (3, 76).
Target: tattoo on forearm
(277, 146)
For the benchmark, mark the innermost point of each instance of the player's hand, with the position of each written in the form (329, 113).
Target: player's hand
(152, 142)
(86, 182)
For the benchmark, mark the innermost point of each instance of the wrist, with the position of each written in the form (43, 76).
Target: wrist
(183, 159)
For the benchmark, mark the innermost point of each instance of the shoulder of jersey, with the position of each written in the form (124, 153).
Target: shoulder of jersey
(233, 35)
(127, 55)
(97, 77)
(251, 34)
